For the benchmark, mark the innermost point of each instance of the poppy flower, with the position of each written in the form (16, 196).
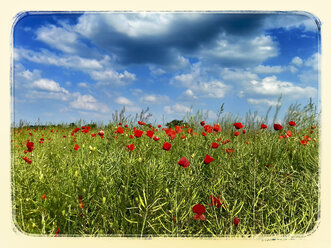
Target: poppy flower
(30, 146)
(202, 123)
(130, 147)
(159, 126)
(150, 133)
(204, 134)
(43, 197)
(281, 137)
(292, 123)
(228, 150)
(166, 146)
(236, 221)
(236, 133)
(214, 145)
(76, 130)
(57, 232)
(199, 210)
(217, 128)
(189, 130)
(307, 137)
(76, 147)
(208, 159)
(119, 130)
(303, 142)
(130, 136)
(126, 125)
(244, 131)
(93, 135)
(278, 127)
(313, 127)
(178, 129)
(208, 128)
(138, 133)
(289, 133)
(156, 138)
(216, 201)
(238, 125)
(184, 162)
(120, 124)
(247, 142)
(101, 133)
(263, 126)
(85, 131)
(183, 136)
(26, 159)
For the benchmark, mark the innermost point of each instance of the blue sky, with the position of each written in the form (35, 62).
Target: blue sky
(71, 66)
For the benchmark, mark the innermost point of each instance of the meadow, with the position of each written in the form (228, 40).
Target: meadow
(232, 178)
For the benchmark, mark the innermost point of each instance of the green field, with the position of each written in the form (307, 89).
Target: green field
(267, 182)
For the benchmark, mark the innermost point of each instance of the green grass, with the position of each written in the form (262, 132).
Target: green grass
(145, 192)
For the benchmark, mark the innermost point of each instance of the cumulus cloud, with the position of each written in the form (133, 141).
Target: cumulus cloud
(263, 102)
(266, 69)
(297, 61)
(273, 87)
(154, 99)
(49, 85)
(88, 102)
(123, 101)
(177, 109)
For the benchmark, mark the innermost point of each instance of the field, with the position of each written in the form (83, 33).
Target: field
(138, 179)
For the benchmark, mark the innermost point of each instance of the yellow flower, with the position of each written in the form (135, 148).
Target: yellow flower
(92, 148)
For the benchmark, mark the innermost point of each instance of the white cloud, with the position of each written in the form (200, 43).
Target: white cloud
(189, 94)
(49, 85)
(123, 101)
(88, 102)
(231, 51)
(59, 38)
(48, 58)
(83, 85)
(154, 99)
(263, 102)
(297, 61)
(177, 109)
(266, 69)
(313, 61)
(111, 77)
(273, 87)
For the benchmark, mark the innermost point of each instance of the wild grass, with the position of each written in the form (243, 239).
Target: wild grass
(270, 184)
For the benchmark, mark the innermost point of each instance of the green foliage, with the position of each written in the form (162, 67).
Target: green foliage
(271, 184)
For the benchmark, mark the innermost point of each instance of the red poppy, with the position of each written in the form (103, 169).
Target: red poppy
(236, 133)
(150, 133)
(247, 142)
(85, 131)
(184, 162)
(76, 147)
(292, 123)
(130, 147)
(217, 128)
(30, 146)
(199, 210)
(93, 135)
(189, 130)
(202, 123)
(101, 133)
(244, 131)
(76, 130)
(141, 123)
(204, 134)
(303, 142)
(278, 127)
(30, 134)
(228, 150)
(208, 128)
(183, 136)
(166, 146)
(26, 159)
(130, 136)
(171, 133)
(43, 197)
(236, 221)
(208, 159)
(289, 133)
(178, 129)
(307, 137)
(120, 124)
(238, 125)
(156, 138)
(313, 127)
(281, 137)
(138, 133)
(216, 201)
(57, 232)
(214, 145)
(119, 130)
(263, 126)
